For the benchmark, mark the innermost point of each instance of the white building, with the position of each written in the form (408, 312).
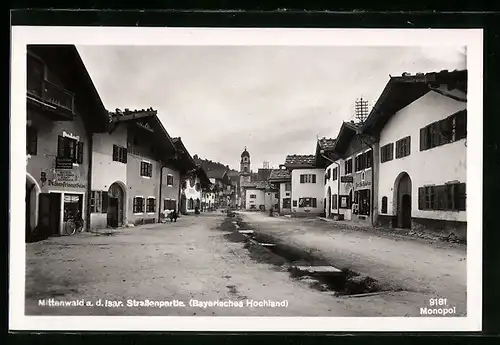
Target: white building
(281, 179)
(349, 188)
(307, 188)
(421, 123)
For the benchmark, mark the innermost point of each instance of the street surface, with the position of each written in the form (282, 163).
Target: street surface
(175, 263)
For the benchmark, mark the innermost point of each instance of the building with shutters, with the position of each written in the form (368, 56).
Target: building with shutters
(421, 124)
(307, 194)
(135, 171)
(281, 180)
(63, 111)
(350, 182)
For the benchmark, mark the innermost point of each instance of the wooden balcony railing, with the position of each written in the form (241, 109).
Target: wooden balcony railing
(52, 94)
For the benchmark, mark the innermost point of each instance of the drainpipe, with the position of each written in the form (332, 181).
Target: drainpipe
(159, 197)
(338, 180)
(89, 182)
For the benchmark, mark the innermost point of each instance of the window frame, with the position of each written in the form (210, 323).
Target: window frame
(170, 180)
(75, 153)
(135, 207)
(146, 169)
(151, 207)
(120, 154)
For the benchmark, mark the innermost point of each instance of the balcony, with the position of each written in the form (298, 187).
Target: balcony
(54, 100)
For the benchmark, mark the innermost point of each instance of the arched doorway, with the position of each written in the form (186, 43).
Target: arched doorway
(329, 202)
(402, 200)
(31, 204)
(116, 198)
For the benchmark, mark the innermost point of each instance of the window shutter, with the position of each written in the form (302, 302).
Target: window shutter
(314, 178)
(423, 138)
(104, 202)
(125, 153)
(150, 170)
(301, 178)
(461, 125)
(314, 201)
(421, 198)
(115, 153)
(408, 146)
(461, 197)
(61, 141)
(79, 154)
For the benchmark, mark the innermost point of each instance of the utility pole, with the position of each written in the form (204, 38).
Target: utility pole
(361, 110)
(265, 165)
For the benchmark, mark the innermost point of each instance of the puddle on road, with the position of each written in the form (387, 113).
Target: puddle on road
(284, 257)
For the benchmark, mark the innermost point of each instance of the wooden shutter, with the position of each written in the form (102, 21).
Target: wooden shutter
(115, 153)
(104, 202)
(440, 198)
(79, 153)
(134, 207)
(421, 198)
(314, 178)
(301, 178)
(61, 146)
(150, 169)
(461, 197)
(423, 138)
(408, 146)
(31, 140)
(461, 125)
(125, 153)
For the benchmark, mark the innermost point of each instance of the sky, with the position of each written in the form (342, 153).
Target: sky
(273, 100)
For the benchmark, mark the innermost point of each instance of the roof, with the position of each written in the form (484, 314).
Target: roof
(326, 143)
(245, 153)
(65, 61)
(300, 161)
(263, 174)
(148, 118)
(255, 185)
(347, 131)
(184, 157)
(403, 90)
(280, 175)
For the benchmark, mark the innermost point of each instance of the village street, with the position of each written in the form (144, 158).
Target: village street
(423, 269)
(194, 259)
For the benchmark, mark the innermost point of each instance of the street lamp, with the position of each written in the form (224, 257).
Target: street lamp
(338, 181)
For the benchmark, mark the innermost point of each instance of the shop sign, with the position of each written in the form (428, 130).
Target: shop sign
(65, 184)
(346, 179)
(64, 163)
(65, 175)
(363, 184)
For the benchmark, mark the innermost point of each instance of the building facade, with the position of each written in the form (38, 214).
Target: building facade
(307, 192)
(423, 161)
(281, 180)
(63, 110)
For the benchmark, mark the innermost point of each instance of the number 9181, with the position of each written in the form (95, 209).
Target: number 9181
(437, 302)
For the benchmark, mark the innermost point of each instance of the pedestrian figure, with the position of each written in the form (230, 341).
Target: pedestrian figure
(173, 216)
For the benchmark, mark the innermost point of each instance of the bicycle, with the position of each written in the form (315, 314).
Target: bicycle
(74, 225)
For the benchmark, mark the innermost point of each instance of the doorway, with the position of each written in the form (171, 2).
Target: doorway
(49, 214)
(115, 202)
(403, 201)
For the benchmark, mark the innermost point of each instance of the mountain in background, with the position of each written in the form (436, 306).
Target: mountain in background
(209, 165)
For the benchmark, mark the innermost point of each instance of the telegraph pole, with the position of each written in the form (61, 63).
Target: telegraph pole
(361, 110)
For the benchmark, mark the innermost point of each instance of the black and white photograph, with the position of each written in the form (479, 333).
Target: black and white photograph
(282, 179)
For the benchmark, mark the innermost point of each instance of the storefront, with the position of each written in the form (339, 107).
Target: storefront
(361, 196)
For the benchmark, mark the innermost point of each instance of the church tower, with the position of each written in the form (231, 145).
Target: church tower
(245, 175)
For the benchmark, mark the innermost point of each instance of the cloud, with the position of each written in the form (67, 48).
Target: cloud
(274, 100)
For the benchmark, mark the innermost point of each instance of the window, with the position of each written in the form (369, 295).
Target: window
(384, 205)
(363, 161)
(276, 195)
(190, 203)
(104, 204)
(119, 154)
(288, 187)
(362, 198)
(170, 180)
(307, 202)
(308, 178)
(286, 203)
(31, 140)
(448, 130)
(295, 203)
(70, 148)
(95, 201)
(348, 166)
(448, 197)
(138, 204)
(146, 169)
(387, 153)
(334, 201)
(345, 201)
(151, 205)
(403, 147)
(253, 196)
(335, 174)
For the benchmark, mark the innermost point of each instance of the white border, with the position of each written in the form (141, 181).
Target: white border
(471, 38)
